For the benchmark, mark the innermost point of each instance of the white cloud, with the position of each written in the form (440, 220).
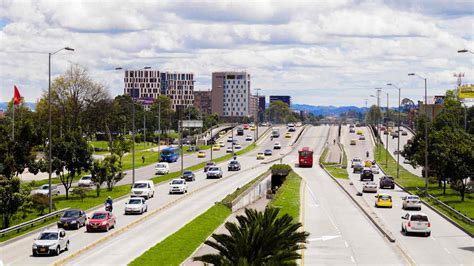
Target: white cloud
(320, 52)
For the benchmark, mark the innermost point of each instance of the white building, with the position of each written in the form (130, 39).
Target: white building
(231, 94)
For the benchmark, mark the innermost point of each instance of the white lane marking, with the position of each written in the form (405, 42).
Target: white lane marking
(447, 251)
(432, 237)
(352, 259)
(312, 195)
(346, 244)
(323, 238)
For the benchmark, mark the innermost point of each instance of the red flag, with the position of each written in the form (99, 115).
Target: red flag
(16, 96)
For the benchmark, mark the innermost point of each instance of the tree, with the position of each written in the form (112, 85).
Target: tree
(120, 146)
(81, 192)
(98, 174)
(259, 238)
(113, 171)
(374, 115)
(11, 198)
(40, 202)
(279, 112)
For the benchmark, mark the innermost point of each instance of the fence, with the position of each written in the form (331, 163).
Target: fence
(31, 222)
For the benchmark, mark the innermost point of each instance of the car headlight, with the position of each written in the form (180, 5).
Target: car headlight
(34, 246)
(104, 222)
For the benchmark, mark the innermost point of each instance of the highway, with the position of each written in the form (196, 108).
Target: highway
(393, 145)
(340, 234)
(171, 212)
(447, 245)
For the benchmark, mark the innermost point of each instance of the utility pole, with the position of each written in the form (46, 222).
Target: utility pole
(144, 127)
(159, 128)
(181, 136)
(378, 126)
(386, 141)
(256, 116)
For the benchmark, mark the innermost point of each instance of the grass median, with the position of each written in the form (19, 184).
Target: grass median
(411, 182)
(335, 169)
(287, 198)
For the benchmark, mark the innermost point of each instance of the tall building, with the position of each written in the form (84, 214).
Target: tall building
(261, 103)
(285, 99)
(231, 94)
(253, 107)
(145, 85)
(202, 101)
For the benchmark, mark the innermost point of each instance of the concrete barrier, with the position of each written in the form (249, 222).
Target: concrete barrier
(253, 193)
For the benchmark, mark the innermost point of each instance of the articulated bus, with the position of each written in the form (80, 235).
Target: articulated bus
(305, 157)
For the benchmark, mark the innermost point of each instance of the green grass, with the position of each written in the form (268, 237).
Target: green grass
(335, 169)
(231, 197)
(410, 182)
(324, 154)
(179, 246)
(287, 198)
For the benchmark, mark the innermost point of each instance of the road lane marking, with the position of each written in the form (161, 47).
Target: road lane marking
(352, 259)
(447, 251)
(346, 244)
(324, 238)
(302, 217)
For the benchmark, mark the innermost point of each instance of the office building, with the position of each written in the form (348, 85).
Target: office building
(285, 99)
(253, 107)
(145, 85)
(202, 101)
(230, 94)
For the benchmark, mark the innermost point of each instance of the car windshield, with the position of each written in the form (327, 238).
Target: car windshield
(413, 197)
(134, 201)
(385, 197)
(388, 177)
(188, 173)
(177, 182)
(69, 214)
(160, 166)
(210, 163)
(234, 162)
(48, 236)
(98, 216)
(140, 185)
(213, 169)
(44, 187)
(419, 218)
(86, 177)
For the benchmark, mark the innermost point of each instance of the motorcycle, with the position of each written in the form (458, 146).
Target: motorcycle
(108, 207)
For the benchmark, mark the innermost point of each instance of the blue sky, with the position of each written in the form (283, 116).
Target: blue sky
(319, 52)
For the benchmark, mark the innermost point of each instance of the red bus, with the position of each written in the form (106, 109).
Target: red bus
(305, 157)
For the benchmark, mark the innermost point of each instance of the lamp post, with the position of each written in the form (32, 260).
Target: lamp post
(159, 128)
(426, 131)
(256, 116)
(465, 107)
(386, 141)
(50, 139)
(398, 130)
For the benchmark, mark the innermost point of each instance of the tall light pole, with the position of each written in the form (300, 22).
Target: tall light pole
(398, 130)
(256, 117)
(426, 131)
(386, 128)
(378, 126)
(465, 107)
(50, 139)
(465, 51)
(159, 128)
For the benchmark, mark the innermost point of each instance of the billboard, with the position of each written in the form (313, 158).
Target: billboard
(438, 100)
(466, 92)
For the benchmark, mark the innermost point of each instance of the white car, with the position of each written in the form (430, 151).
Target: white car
(355, 161)
(375, 169)
(221, 144)
(214, 172)
(237, 146)
(369, 187)
(44, 189)
(86, 181)
(51, 242)
(277, 145)
(416, 223)
(178, 186)
(248, 138)
(229, 150)
(162, 168)
(411, 202)
(143, 188)
(136, 205)
(229, 139)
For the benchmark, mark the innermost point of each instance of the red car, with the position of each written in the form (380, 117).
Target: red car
(101, 221)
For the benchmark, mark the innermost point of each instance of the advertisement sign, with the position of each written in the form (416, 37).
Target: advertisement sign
(191, 123)
(438, 100)
(466, 92)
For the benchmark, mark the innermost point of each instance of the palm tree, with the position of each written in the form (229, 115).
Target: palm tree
(259, 238)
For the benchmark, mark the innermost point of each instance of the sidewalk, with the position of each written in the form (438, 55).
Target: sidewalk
(335, 153)
(205, 249)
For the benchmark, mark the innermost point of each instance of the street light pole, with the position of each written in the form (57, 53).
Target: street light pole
(50, 139)
(256, 116)
(426, 129)
(159, 128)
(378, 126)
(386, 141)
(398, 130)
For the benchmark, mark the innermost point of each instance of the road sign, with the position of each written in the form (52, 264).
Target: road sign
(191, 123)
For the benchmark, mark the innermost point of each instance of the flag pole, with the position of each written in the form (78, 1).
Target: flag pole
(13, 124)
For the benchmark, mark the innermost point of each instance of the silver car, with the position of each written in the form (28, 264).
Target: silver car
(369, 187)
(51, 242)
(44, 189)
(411, 202)
(136, 205)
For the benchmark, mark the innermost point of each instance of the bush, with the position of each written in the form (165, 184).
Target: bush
(81, 192)
(40, 202)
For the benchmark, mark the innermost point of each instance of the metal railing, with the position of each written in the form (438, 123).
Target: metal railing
(32, 222)
(447, 207)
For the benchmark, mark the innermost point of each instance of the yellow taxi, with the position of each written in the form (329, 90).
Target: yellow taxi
(390, 129)
(383, 200)
(216, 147)
(201, 154)
(222, 133)
(353, 142)
(367, 163)
(252, 128)
(287, 135)
(260, 156)
(359, 132)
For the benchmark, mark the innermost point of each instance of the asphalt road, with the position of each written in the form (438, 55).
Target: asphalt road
(447, 245)
(172, 212)
(393, 146)
(340, 234)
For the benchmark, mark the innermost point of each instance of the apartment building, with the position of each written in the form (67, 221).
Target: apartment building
(145, 85)
(202, 101)
(230, 94)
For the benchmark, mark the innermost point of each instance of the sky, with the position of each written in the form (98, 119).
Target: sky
(319, 52)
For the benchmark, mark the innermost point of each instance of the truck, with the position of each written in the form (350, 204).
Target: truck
(240, 131)
(275, 132)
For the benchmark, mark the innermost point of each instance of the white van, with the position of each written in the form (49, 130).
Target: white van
(162, 168)
(143, 188)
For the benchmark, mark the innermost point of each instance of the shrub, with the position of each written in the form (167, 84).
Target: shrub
(40, 202)
(81, 192)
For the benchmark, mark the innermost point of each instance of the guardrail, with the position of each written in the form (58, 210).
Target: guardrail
(32, 222)
(449, 208)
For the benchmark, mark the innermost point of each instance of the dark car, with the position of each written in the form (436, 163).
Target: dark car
(209, 164)
(192, 148)
(188, 176)
(404, 133)
(387, 181)
(268, 152)
(358, 167)
(366, 174)
(72, 218)
(240, 131)
(233, 166)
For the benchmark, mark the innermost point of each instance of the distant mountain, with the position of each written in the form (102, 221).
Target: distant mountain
(327, 110)
(4, 106)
